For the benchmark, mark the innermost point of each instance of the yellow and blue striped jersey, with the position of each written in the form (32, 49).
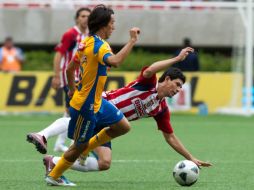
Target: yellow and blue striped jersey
(91, 55)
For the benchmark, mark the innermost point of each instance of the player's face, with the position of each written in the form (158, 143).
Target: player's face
(172, 87)
(83, 18)
(110, 27)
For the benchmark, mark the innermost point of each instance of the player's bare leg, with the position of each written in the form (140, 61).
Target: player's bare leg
(104, 157)
(120, 128)
(74, 152)
(106, 134)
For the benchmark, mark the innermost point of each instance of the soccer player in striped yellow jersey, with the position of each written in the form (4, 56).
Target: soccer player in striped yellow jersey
(87, 108)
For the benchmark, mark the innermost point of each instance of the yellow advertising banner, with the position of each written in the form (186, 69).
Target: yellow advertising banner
(32, 92)
(215, 89)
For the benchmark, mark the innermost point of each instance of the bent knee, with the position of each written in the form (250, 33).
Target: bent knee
(104, 165)
(127, 128)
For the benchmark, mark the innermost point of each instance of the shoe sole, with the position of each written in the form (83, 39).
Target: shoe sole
(38, 146)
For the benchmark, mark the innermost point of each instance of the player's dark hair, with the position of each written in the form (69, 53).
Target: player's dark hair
(99, 17)
(173, 73)
(80, 10)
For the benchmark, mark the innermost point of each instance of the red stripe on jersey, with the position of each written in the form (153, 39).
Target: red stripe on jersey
(128, 101)
(129, 114)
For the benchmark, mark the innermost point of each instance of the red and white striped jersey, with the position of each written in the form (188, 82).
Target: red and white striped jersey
(67, 47)
(140, 99)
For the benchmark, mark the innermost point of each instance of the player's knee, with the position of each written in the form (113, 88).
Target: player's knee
(127, 128)
(104, 164)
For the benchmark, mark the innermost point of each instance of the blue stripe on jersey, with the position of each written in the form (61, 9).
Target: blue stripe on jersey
(102, 70)
(97, 44)
(79, 86)
(105, 58)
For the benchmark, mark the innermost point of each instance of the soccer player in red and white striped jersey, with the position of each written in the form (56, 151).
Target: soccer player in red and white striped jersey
(144, 97)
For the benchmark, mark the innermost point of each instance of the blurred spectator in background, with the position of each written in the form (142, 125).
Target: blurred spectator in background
(191, 63)
(11, 57)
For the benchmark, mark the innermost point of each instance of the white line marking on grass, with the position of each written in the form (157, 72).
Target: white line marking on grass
(127, 161)
(115, 161)
(20, 160)
(138, 161)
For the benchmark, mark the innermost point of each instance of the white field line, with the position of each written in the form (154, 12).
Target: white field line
(129, 161)
(115, 161)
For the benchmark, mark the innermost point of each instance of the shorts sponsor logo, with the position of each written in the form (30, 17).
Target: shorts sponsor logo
(83, 136)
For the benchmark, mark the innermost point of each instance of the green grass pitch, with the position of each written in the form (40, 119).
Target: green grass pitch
(141, 159)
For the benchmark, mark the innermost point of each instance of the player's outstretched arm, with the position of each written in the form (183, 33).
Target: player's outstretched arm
(164, 64)
(117, 59)
(176, 144)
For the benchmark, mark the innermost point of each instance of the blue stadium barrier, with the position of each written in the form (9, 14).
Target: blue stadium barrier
(244, 97)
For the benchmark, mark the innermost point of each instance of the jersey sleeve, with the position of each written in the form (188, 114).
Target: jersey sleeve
(163, 121)
(66, 42)
(104, 52)
(147, 81)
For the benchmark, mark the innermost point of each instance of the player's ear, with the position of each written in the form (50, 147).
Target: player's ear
(167, 78)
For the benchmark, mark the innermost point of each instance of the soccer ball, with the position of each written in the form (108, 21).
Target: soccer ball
(186, 173)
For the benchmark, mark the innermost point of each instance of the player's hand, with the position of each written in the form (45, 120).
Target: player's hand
(184, 53)
(134, 32)
(70, 93)
(56, 83)
(201, 163)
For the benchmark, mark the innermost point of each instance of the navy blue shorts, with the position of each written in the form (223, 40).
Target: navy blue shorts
(82, 125)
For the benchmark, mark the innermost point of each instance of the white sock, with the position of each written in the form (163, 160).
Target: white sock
(57, 127)
(91, 164)
(66, 114)
(60, 141)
